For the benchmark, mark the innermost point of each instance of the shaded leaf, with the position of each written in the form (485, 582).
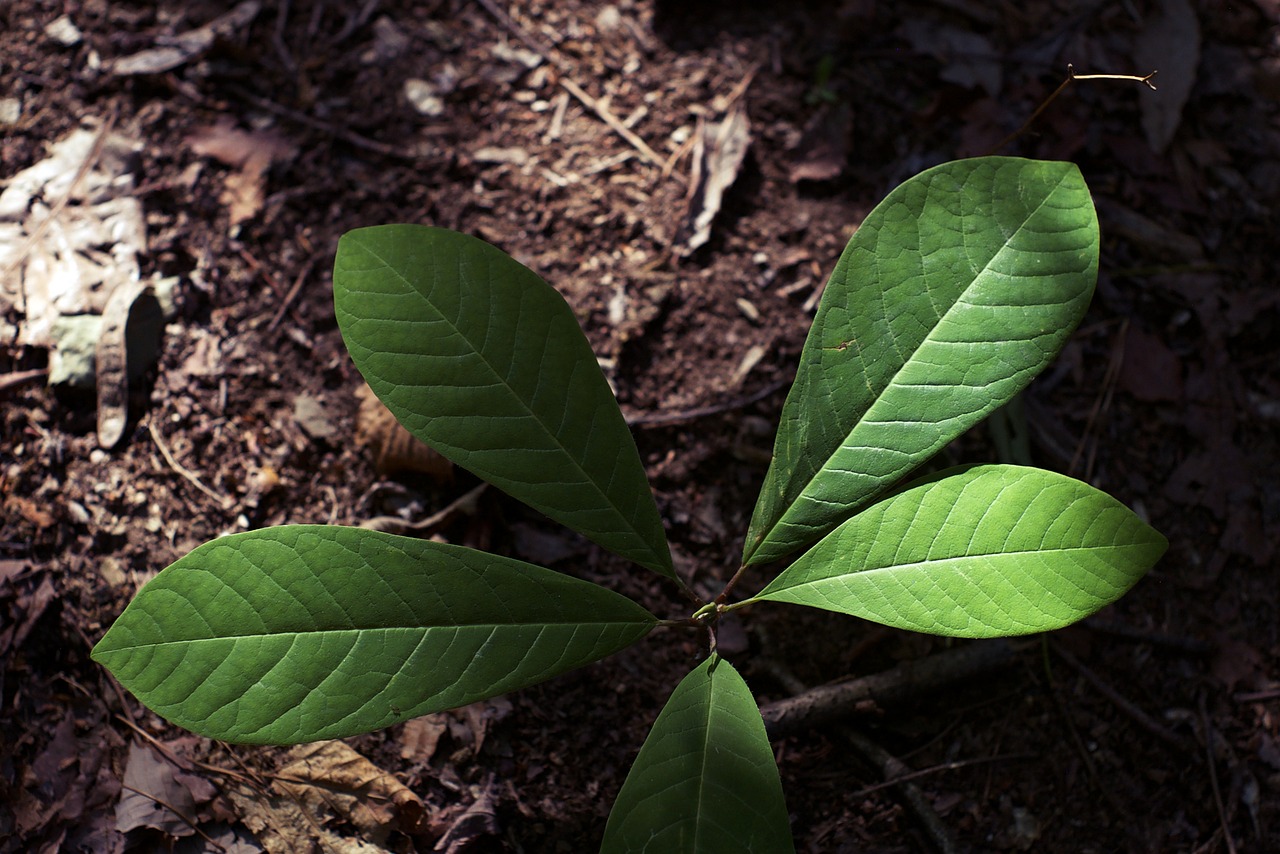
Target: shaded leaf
(305, 632)
(705, 780)
(984, 551)
(957, 290)
(484, 361)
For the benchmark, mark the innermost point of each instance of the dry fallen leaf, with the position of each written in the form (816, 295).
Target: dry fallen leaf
(330, 774)
(718, 154)
(1170, 42)
(149, 782)
(250, 154)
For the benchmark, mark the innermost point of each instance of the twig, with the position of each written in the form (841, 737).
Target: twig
(548, 53)
(1177, 643)
(613, 122)
(188, 822)
(532, 42)
(1213, 777)
(897, 774)
(337, 131)
(907, 680)
(17, 378)
(267, 275)
(394, 524)
(1258, 696)
(292, 295)
(888, 765)
(660, 419)
(224, 502)
(1101, 403)
(955, 765)
(1123, 704)
(1071, 75)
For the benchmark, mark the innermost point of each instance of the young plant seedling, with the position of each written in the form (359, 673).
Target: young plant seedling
(957, 290)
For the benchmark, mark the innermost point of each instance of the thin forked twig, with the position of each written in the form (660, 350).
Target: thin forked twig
(223, 501)
(1071, 75)
(549, 54)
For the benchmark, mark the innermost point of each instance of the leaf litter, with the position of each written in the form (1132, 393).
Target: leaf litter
(1193, 288)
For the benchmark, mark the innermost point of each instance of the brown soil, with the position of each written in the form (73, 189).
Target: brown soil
(1155, 727)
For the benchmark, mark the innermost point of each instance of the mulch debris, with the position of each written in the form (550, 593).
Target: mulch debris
(686, 175)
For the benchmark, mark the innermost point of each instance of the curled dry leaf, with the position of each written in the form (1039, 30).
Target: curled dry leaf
(718, 154)
(333, 775)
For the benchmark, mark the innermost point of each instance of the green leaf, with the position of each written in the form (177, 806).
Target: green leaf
(305, 632)
(985, 551)
(705, 780)
(485, 362)
(958, 289)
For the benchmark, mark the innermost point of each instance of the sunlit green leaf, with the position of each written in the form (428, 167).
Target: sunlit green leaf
(303, 632)
(705, 781)
(485, 362)
(959, 288)
(979, 552)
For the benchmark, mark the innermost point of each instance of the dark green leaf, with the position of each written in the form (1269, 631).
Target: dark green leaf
(303, 632)
(980, 552)
(705, 780)
(485, 362)
(960, 287)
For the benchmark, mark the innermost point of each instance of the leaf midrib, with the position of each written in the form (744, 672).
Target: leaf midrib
(944, 562)
(329, 632)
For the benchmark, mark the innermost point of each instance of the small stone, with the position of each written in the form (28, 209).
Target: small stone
(76, 513)
(389, 42)
(10, 111)
(64, 31)
(608, 19)
(494, 154)
(311, 416)
(422, 95)
(112, 572)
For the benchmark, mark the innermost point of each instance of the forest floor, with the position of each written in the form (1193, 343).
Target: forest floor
(563, 131)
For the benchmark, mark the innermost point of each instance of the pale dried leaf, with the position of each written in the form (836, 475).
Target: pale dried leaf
(330, 774)
(718, 154)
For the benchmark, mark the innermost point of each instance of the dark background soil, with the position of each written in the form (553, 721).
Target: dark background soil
(1153, 727)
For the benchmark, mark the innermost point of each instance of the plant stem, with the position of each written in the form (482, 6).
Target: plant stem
(724, 594)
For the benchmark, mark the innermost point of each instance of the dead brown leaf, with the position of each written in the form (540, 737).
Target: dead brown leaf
(250, 154)
(824, 145)
(1170, 43)
(330, 775)
(152, 795)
